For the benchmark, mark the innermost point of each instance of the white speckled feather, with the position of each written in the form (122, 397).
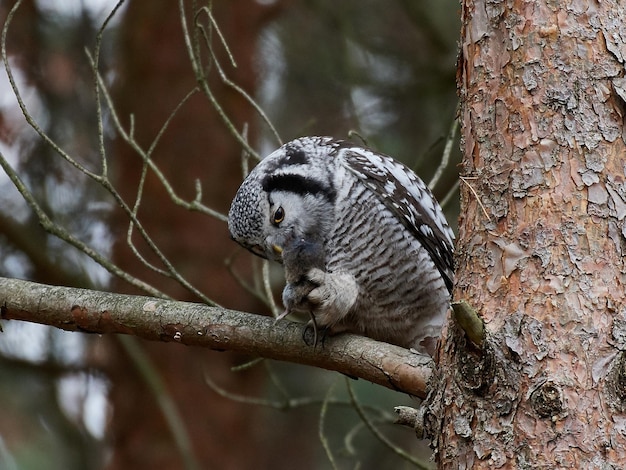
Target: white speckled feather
(382, 259)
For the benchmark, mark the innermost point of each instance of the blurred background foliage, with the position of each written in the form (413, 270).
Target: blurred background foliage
(382, 69)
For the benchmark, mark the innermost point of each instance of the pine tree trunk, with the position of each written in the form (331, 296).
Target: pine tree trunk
(541, 242)
(155, 74)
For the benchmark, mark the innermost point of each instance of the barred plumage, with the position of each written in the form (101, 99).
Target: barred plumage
(365, 245)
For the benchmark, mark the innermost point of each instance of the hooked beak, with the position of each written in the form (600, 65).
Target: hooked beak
(259, 250)
(278, 253)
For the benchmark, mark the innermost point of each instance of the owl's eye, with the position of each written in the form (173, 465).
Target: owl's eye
(279, 216)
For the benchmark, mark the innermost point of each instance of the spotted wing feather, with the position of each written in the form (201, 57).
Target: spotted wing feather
(405, 195)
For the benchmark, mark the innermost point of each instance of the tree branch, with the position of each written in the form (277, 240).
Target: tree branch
(195, 324)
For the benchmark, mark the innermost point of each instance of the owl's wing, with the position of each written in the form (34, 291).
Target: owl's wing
(406, 196)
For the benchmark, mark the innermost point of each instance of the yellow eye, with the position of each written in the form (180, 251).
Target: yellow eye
(279, 216)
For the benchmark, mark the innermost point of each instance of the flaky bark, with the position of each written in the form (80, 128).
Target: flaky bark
(216, 328)
(541, 242)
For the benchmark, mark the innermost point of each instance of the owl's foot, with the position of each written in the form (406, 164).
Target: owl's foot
(334, 296)
(296, 297)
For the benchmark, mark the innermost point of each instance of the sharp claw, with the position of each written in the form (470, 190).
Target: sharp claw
(282, 315)
(314, 329)
(318, 333)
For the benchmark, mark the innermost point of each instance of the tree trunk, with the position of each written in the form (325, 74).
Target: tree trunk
(541, 242)
(155, 75)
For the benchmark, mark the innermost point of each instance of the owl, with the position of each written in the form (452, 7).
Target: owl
(365, 246)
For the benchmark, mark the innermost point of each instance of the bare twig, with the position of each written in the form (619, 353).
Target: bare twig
(267, 288)
(379, 435)
(321, 432)
(445, 157)
(412, 417)
(227, 81)
(169, 271)
(204, 84)
(465, 179)
(165, 401)
(54, 229)
(128, 137)
(450, 194)
(252, 288)
(95, 69)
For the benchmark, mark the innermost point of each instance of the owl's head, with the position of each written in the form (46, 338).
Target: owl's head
(288, 194)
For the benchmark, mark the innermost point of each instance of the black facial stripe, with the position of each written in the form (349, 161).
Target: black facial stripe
(297, 184)
(294, 156)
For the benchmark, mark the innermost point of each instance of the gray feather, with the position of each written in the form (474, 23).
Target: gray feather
(365, 245)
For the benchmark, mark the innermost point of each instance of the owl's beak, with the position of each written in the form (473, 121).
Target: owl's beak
(257, 250)
(272, 252)
(278, 253)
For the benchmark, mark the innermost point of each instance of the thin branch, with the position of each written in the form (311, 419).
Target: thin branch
(287, 402)
(164, 399)
(134, 223)
(97, 47)
(379, 435)
(131, 226)
(248, 287)
(465, 180)
(216, 328)
(206, 89)
(129, 138)
(227, 81)
(54, 229)
(215, 27)
(451, 193)
(25, 239)
(447, 151)
(267, 287)
(43, 218)
(245, 156)
(321, 432)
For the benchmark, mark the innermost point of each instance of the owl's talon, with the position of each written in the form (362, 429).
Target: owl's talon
(311, 328)
(282, 315)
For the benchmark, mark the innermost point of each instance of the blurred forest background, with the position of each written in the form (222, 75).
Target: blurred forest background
(70, 401)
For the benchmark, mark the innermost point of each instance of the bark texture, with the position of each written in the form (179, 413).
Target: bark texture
(194, 324)
(542, 240)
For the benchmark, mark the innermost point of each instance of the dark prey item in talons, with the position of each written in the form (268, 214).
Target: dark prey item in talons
(299, 256)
